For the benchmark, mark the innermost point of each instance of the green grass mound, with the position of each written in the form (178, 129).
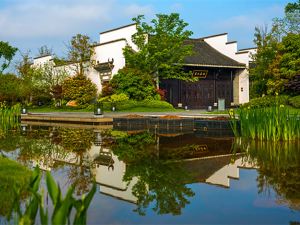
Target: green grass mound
(12, 175)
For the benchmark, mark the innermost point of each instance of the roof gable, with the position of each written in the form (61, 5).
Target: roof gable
(206, 55)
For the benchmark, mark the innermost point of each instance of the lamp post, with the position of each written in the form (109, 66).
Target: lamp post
(23, 110)
(98, 109)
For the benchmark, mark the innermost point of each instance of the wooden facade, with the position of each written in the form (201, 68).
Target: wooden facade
(212, 84)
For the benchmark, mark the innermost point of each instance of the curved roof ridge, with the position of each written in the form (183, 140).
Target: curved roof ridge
(205, 54)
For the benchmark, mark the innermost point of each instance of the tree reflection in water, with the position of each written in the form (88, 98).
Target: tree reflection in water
(278, 168)
(161, 182)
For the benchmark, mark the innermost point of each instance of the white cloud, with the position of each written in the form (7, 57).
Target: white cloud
(176, 7)
(134, 10)
(58, 18)
(255, 18)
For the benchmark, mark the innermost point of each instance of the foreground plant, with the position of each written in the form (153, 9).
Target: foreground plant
(62, 206)
(273, 123)
(9, 116)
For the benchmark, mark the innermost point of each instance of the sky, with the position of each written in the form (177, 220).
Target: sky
(30, 24)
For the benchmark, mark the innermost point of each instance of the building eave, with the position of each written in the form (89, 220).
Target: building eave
(118, 28)
(109, 42)
(214, 66)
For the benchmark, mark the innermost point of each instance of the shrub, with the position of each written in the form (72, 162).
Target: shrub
(267, 101)
(136, 84)
(153, 104)
(295, 101)
(79, 88)
(132, 104)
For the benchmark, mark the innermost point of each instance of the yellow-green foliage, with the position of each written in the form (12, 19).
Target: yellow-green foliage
(80, 89)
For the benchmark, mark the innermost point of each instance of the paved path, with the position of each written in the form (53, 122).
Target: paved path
(188, 113)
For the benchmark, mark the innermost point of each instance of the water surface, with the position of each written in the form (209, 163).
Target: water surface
(166, 178)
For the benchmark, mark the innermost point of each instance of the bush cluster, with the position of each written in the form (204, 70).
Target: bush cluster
(79, 88)
(267, 101)
(295, 101)
(131, 104)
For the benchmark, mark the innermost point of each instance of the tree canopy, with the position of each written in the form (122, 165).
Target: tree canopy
(80, 52)
(7, 53)
(277, 59)
(161, 47)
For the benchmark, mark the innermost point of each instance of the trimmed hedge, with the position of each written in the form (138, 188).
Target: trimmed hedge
(295, 101)
(131, 104)
(267, 101)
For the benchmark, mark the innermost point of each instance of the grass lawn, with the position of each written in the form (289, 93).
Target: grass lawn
(45, 109)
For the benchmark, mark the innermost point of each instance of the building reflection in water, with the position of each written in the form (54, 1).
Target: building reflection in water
(119, 165)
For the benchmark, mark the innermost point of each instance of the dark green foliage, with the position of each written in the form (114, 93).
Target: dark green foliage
(295, 101)
(79, 88)
(145, 104)
(137, 85)
(11, 88)
(293, 86)
(267, 101)
(160, 45)
(7, 53)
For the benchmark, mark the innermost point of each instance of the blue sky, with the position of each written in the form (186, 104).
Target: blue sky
(29, 24)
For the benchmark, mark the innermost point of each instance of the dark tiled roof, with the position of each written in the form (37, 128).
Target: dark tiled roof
(206, 55)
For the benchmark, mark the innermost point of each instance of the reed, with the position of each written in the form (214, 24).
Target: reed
(9, 116)
(272, 124)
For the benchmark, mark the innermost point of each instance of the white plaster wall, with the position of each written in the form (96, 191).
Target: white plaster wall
(110, 51)
(243, 84)
(231, 49)
(219, 43)
(42, 60)
(70, 69)
(93, 75)
(125, 32)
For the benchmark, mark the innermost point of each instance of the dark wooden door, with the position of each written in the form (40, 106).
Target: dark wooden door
(198, 94)
(224, 90)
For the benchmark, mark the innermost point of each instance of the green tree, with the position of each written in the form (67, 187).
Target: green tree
(79, 88)
(11, 88)
(267, 45)
(80, 52)
(31, 77)
(134, 83)
(161, 48)
(7, 53)
(290, 23)
(286, 64)
(45, 50)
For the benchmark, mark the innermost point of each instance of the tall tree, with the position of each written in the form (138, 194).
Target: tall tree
(45, 50)
(161, 47)
(80, 52)
(286, 64)
(7, 53)
(290, 23)
(266, 52)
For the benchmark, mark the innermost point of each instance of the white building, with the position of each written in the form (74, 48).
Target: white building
(222, 69)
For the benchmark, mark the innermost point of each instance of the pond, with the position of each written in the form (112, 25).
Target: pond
(152, 177)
